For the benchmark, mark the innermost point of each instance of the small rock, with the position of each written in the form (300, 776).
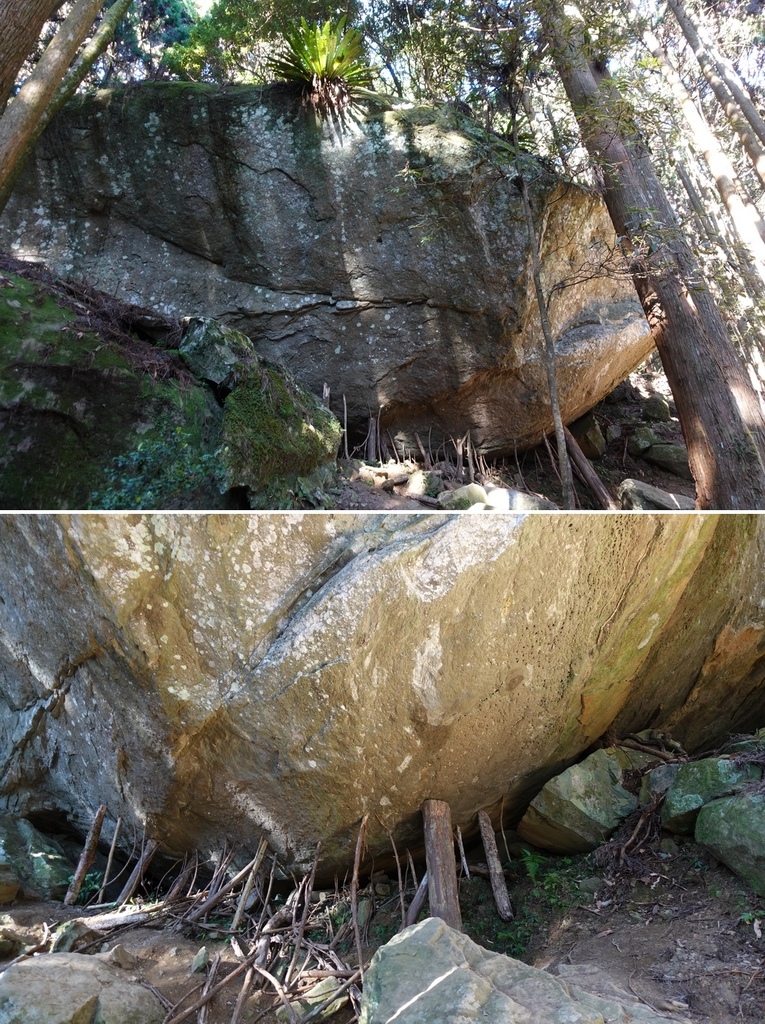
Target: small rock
(578, 809)
(313, 998)
(672, 457)
(588, 434)
(70, 935)
(613, 432)
(463, 497)
(641, 439)
(656, 782)
(669, 846)
(505, 499)
(215, 352)
(11, 943)
(591, 884)
(200, 961)
(656, 408)
(733, 830)
(639, 495)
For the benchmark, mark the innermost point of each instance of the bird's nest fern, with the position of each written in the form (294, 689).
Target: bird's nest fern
(328, 61)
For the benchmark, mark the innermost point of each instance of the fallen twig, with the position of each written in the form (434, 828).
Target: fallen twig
(355, 892)
(87, 857)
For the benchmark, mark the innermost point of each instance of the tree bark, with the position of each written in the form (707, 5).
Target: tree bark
(74, 77)
(753, 145)
(719, 412)
(22, 115)
(747, 222)
(21, 22)
(443, 894)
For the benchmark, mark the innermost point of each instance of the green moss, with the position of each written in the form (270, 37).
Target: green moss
(71, 403)
(274, 432)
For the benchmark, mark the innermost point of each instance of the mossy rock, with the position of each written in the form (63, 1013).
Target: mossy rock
(275, 432)
(699, 782)
(71, 403)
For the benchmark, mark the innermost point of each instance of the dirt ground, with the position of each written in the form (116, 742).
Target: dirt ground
(535, 471)
(683, 935)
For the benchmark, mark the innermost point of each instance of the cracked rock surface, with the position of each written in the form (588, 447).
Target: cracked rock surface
(391, 265)
(224, 677)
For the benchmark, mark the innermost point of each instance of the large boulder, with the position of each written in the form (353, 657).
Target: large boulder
(733, 830)
(430, 972)
(71, 988)
(576, 811)
(391, 264)
(284, 675)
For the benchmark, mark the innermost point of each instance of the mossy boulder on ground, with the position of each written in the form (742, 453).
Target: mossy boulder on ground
(74, 403)
(275, 433)
(577, 810)
(733, 829)
(697, 784)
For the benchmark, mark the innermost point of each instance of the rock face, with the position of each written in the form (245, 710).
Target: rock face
(391, 264)
(431, 972)
(70, 988)
(284, 675)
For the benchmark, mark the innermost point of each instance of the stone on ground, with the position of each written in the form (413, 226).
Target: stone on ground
(72, 988)
(431, 973)
(733, 830)
(578, 809)
(30, 862)
(639, 495)
(696, 784)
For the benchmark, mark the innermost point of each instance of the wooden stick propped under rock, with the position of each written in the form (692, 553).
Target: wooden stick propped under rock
(496, 875)
(443, 893)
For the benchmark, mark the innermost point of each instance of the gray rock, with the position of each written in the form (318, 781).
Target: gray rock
(640, 440)
(656, 408)
(635, 494)
(587, 432)
(30, 862)
(656, 782)
(578, 809)
(672, 457)
(431, 972)
(230, 203)
(71, 988)
(215, 352)
(696, 784)
(507, 499)
(733, 830)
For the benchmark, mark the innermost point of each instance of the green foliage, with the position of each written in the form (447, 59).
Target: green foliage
(161, 472)
(322, 53)
(532, 861)
(236, 39)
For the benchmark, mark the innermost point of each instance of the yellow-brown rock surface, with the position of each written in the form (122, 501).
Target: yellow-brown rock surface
(221, 677)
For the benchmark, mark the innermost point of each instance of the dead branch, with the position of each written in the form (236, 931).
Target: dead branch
(355, 892)
(496, 876)
(87, 857)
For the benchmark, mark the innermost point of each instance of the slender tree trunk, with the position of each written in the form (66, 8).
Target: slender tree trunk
(564, 465)
(719, 412)
(747, 222)
(22, 115)
(76, 74)
(21, 22)
(753, 143)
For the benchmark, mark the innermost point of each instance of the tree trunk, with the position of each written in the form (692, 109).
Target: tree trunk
(747, 222)
(76, 74)
(753, 145)
(21, 22)
(719, 412)
(22, 115)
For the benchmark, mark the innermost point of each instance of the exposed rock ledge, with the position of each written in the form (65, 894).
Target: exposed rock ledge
(223, 677)
(391, 265)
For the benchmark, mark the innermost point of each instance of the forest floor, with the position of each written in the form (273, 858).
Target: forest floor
(678, 932)
(535, 471)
